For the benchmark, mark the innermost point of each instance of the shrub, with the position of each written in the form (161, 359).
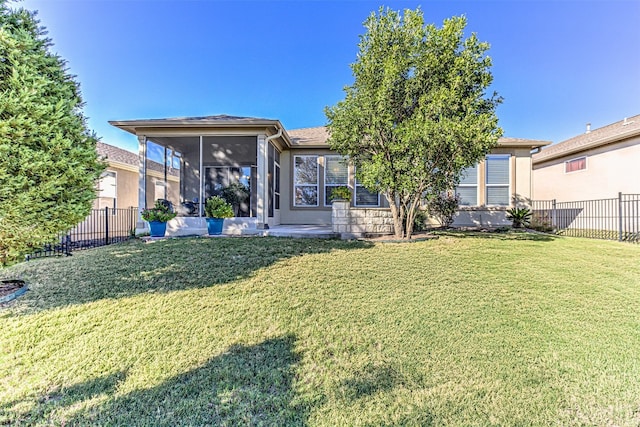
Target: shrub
(541, 225)
(443, 207)
(520, 217)
(217, 207)
(340, 193)
(420, 220)
(160, 212)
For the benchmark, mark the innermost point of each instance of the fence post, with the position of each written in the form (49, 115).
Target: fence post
(553, 214)
(620, 216)
(106, 225)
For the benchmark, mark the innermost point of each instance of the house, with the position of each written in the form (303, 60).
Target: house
(118, 185)
(289, 175)
(598, 164)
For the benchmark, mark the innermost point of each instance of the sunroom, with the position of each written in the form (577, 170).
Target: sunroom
(183, 161)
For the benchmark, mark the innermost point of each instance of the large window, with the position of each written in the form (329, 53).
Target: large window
(497, 180)
(365, 197)
(305, 180)
(575, 165)
(468, 187)
(336, 174)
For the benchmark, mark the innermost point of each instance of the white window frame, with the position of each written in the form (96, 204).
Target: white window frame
(327, 202)
(486, 177)
(317, 184)
(573, 160)
(476, 186)
(115, 187)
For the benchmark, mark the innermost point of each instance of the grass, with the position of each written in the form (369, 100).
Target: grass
(468, 329)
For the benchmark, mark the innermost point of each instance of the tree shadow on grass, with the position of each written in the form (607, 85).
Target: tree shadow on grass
(499, 235)
(376, 378)
(246, 385)
(132, 268)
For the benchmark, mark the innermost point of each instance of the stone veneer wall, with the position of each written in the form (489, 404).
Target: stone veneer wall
(352, 222)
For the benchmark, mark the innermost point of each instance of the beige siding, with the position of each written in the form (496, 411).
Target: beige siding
(610, 169)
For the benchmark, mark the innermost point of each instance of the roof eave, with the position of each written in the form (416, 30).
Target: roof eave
(131, 126)
(524, 143)
(540, 158)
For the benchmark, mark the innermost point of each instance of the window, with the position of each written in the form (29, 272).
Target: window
(497, 180)
(160, 189)
(575, 165)
(305, 180)
(468, 187)
(107, 185)
(336, 174)
(107, 193)
(365, 197)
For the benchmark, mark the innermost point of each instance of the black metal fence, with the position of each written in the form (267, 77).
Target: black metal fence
(612, 219)
(102, 227)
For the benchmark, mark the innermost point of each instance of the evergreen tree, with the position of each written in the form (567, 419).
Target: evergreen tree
(48, 159)
(416, 114)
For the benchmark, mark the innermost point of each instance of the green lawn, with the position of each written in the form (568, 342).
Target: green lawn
(468, 329)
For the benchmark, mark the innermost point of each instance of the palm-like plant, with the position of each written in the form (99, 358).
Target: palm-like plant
(520, 217)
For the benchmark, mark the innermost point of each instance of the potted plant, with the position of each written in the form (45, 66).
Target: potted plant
(157, 218)
(340, 193)
(519, 217)
(217, 209)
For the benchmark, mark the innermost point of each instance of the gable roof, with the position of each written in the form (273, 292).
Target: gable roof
(618, 131)
(318, 136)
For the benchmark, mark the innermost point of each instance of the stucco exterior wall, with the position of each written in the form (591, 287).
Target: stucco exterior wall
(290, 214)
(126, 187)
(610, 169)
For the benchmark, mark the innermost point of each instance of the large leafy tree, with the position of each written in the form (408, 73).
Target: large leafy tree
(48, 160)
(417, 113)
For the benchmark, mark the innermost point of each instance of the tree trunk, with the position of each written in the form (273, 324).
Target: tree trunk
(397, 214)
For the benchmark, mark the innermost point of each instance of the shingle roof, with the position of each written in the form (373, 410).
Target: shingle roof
(116, 154)
(309, 136)
(318, 136)
(614, 132)
(119, 155)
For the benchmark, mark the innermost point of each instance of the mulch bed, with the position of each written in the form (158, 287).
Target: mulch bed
(390, 238)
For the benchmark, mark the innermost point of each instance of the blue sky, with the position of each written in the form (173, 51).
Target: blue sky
(558, 64)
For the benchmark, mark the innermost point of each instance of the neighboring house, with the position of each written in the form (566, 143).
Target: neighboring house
(290, 174)
(595, 165)
(118, 186)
